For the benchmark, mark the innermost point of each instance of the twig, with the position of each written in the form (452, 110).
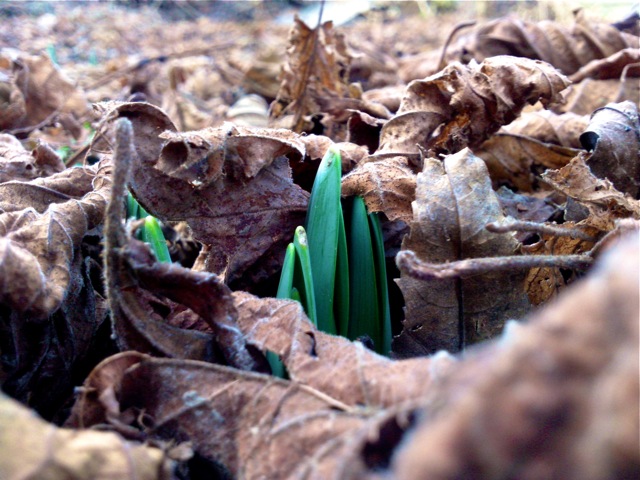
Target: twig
(456, 29)
(409, 263)
(524, 226)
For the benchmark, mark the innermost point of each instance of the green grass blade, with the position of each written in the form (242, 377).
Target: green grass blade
(341, 293)
(322, 227)
(364, 318)
(302, 277)
(381, 276)
(132, 206)
(286, 277)
(152, 234)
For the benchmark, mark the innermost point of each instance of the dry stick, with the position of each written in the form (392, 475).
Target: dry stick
(114, 233)
(456, 29)
(409, 263)
(524, 226)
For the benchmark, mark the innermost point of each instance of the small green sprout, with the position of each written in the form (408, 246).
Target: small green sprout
(339, 274)
(151, 231)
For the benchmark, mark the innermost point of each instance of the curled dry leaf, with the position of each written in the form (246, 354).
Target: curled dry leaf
(135, 278)
(317, 65)
(233, 184)
(464, 104)
(458, 107)
(454, 202)
(50, 311)
(613, 137)
(567, 49)
(611, 67)
(45, 90)
(517, 160)
(335, 366)
(554, 398)
(605, 203)
(18, 164)
(41, 450)
(39, 250)
(549, 127)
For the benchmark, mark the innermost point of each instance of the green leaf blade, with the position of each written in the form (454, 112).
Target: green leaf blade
(364, 318)
(322, 226)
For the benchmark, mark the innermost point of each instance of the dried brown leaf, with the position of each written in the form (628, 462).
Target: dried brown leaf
(233, 184)
(555, 398)
(317, 65)
(18, 164)
(610, 67)
(457, 107)
(567, 49)
(387, 184)
(605, 203)
(39, 249)
(45, 88)
(344, 370)
(463, 105)
(517, 160)
(549, 127)
(454, 202)
(613, 137)
(135, 278)
(31, 448)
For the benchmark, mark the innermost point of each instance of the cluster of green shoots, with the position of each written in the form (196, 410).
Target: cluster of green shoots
(150, 231)
(335, 266)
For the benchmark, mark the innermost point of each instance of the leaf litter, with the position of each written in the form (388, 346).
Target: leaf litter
(454, 158)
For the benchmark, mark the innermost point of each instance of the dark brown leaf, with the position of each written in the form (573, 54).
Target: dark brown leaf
(233, 184)
(134, 278)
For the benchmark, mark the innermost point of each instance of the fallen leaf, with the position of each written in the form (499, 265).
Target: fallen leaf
(317, 65)
(45, 88)
(234, 185)
(541, 402)
(18, 164)
(42, 450)
(135, 279)
(549, 127)
(517, 160)
(610, 67)
(458, 107)
(613, 138)
(603, 200)
(567, 49)
(454, 202)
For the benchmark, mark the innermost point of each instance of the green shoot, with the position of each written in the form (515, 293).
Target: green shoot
(286, 277)
(364, 318)
(322, 227)
(152, 234)
(302, 276)
(383, 288)
(341, 294)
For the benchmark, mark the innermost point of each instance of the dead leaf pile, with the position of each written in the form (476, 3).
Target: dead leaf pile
(495, 197)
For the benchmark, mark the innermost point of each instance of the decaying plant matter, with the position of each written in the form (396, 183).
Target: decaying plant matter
(507, 204)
